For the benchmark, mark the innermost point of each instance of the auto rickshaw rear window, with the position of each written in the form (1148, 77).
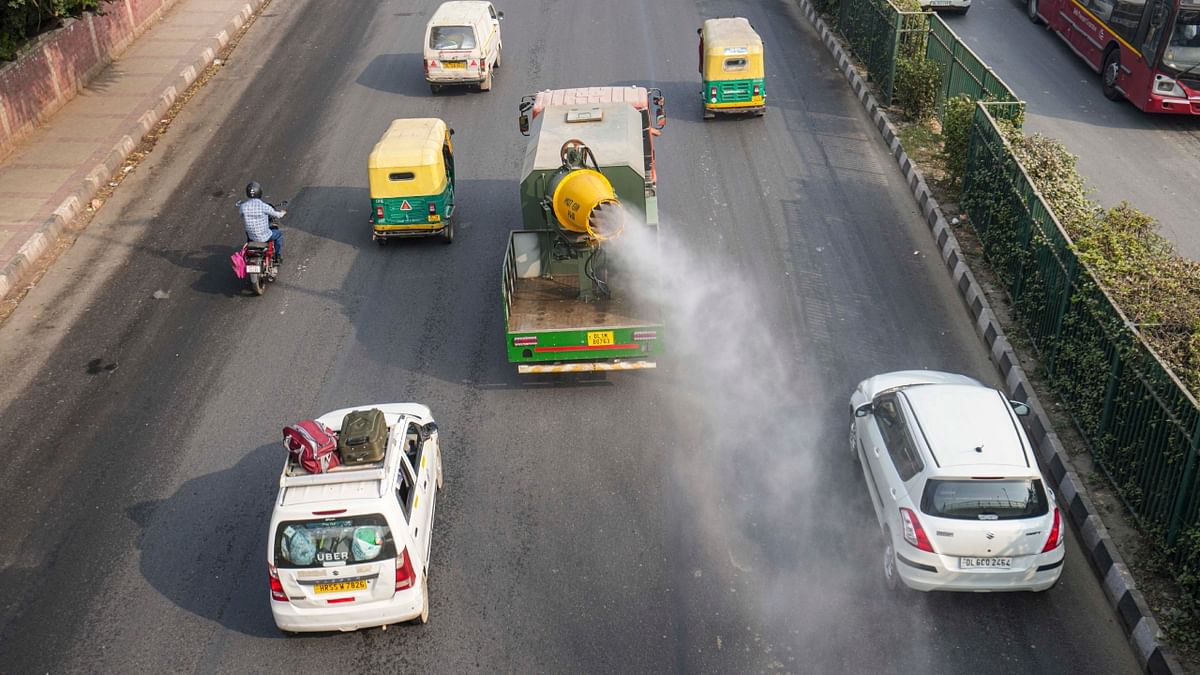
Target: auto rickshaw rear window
(451, 37)
(401, 175)
(735, 64)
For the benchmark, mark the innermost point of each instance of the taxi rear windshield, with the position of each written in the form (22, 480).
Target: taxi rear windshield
(451, 37)
(985, 499)
(333, 541)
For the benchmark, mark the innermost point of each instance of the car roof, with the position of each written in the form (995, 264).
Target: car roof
(458, 11)
(970, 426)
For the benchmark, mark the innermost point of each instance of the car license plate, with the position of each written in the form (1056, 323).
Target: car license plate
(254, 268)
(984, 563)
(600, 338)
(342, 586)
(462, 65)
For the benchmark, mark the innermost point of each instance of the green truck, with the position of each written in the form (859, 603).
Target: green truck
(587, 178)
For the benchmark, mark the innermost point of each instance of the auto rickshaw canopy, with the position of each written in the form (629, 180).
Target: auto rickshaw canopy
(732, 49)
(408, 161)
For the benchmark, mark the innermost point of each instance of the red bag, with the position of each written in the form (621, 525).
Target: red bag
(312, 445)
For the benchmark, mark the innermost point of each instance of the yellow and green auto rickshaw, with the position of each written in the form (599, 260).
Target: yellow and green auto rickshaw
(731, 68)
(411, 174)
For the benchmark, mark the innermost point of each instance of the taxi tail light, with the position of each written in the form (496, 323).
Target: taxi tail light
(277, 593)
(1056, 533)
(712, 94)
(756, 91)
(913, 532)
(405, 576)
(432, 209)
(379, 212)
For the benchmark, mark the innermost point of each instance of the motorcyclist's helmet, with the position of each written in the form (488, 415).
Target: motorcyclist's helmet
(253, 190)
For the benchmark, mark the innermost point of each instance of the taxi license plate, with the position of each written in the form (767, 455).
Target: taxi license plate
(600, 338)
(984, 563)
(254, 268)
(342, 586)
(462, 65)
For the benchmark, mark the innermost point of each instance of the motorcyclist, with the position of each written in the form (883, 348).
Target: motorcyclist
(256, 215)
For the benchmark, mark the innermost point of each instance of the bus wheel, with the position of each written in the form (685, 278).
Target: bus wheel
(1109, 73)
(1031, 8)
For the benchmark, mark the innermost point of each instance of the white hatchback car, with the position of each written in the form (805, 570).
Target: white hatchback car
(349, 549)
(955, 485)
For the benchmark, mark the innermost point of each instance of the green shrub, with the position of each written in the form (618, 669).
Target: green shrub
(1053, 171)
(918, 81)
(956, 134)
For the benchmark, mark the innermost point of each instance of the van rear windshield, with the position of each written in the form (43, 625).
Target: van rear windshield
(984, 499)
(333, 541)
(451, 37)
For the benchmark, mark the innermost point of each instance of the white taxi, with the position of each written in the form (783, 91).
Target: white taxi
(955, 485)
(349, 549)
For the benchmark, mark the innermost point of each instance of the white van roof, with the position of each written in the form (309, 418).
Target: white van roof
(359, 481)
(458, 12)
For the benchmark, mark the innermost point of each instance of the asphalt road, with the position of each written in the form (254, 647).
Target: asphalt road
(1151, 161)
(705, 517)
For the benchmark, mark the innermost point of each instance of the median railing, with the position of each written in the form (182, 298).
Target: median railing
(1141, 422)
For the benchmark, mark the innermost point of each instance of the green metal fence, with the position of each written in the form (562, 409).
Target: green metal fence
(879, 35)
(965, 73)
(1141, 423)
(874, 30)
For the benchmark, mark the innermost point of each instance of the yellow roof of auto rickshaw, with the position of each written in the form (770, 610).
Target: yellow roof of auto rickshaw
(409, 143)
(732, 32)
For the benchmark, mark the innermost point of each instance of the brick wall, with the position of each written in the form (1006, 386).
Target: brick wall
(52, 70)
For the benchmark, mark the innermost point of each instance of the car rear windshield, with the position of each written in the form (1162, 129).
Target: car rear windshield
(451, 37)
(984, 499)
(333, 541)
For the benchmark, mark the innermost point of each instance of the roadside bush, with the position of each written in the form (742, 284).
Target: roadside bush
(1053, 171)
(21, 20)
(918, 80)
(956, 134)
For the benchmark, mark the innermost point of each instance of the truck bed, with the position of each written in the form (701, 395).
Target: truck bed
(540, 303)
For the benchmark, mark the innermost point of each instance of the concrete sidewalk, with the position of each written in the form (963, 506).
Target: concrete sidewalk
(55, 172)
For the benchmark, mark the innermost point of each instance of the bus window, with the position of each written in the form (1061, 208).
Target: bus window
(1127, 18)
(1155, 31)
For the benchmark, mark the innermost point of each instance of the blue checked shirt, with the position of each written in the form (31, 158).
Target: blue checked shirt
(254, 213)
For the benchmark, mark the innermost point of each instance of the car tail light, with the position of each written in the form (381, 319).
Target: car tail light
(432, 209)
(331, 512)
(379, 212)
(405, 577)
(712, 94)
(527, 341)
(277, 593)
(645, 335)
(1056, 533)
(913, 532)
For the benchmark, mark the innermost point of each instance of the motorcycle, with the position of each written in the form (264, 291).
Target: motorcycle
(262, 265)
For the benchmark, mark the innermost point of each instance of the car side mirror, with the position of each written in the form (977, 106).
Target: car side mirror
(863, 410)
(426, 430)
(500, 15)
(1021, 409)
(451, 131)
(523, 123)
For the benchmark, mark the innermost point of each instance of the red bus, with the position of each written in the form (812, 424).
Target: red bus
(1147, 51)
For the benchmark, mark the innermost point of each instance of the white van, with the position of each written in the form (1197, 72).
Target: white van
(349, 549)
(462, 44)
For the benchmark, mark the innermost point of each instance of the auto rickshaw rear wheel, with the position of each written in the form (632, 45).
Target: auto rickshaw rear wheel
(448, 231)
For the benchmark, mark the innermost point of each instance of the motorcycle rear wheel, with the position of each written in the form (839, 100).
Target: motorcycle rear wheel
(258, 284)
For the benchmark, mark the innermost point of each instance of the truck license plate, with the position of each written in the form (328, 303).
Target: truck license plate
(984, 563)
(342, 586)
(600, 338)
(254, 268)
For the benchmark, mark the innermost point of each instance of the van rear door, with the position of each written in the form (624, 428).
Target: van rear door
(325, 562)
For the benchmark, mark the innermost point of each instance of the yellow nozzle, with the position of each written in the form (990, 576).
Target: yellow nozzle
(585, 202)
